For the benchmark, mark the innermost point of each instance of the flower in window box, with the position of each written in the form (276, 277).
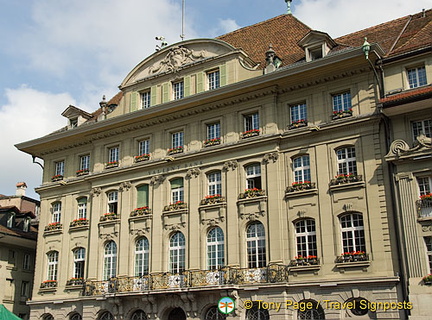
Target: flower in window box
(109, 216)
(426, 196)
(298, 123)
(214, 198)
(176, 206)
(75, 282)
(175, 150)
(48, 284)
(427, 279)
(250, 133)
(142, 157)
(57, 177)
(212, 142)
(79, 222)
(53, 226)
(252, 193)
(140, 211)
(112, 164)
(342, 113)
(82, 172)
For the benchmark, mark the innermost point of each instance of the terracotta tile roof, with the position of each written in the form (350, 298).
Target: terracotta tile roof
(407, 95)
(282, 32)
(32, 234)
(396, 36)
(116, 99)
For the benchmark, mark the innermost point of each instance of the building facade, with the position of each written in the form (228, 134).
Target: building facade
(232, 167)
(18, 237)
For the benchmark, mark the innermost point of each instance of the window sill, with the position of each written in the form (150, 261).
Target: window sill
(341, 115)
(307, 268)
(353, 264)
(349, 185)
(82, 173)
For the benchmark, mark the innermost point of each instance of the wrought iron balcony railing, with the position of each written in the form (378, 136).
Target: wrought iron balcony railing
(424, 208)
(188, 279)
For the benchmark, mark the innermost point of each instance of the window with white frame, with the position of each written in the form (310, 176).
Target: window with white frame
(215, 249)
(144, 147)
(59, 168)
(141, 257)
(79, 262)
(177, 191)
(114, 154)
(110, 260)
(56, 212)
(112, 202)
(10, 220)
(177, 253)
(52, 270)
(256, 246)
(352, 228)
(417, 77)
(82, 208)
(178, 90)
(306, 238)
(298, 113)
(422, 127)
(214, 183)
(145, 99)
(213, 131)
(341, 101)
(251, 121)
(346, 160)
(425, 185)
(253, 176)
(428, 243)
(301, 169)
(213, 79)
(26, 225)
(84, 162)
(177, 139)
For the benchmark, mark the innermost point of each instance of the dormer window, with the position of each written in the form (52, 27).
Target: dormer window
(315, 53)
(10, 220)
(73, 123)
(316, 44)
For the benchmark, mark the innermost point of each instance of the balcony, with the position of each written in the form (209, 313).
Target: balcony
(189, 279)
(424, 207)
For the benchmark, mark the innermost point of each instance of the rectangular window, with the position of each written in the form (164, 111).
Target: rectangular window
(253, 176)
(25, 288)
(52, 265)
(425, 185)
(26, 261)
(298, 113)
(11, 257)
(422, 127)
(214, 183)
(56, 212)
(79, 260)
(177, 191)
(301, 168)
(417, 77)
(213, 131)
(251, 121)
(82, 208)
(213, 78)
(177, 139)
(346, 159)
(428, 242)
(84, 162)
(112, 202)
(113, 154)
(144, 147)
(143, 196)
(178, 90)
(341, 102)
(59, 168)
(145, 99)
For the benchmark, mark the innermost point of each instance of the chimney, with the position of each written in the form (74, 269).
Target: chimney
(20, 189)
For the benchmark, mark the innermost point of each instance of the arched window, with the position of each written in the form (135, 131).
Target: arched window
(352, 228)
(82, 208)
(215, 249)
(56, 212)
(256, 313)
(106, 316)
(306, 238)
(110, 260)
(177, 252)
(75, 316)
(256, 247)
(177, 314)
(315, 312)
(79, 262)
(48, 317)
(141, 257)
(346, 161)
(139, 315)
(214, 183)
(301, 169)
(214, 314)
(112, 202)
(52, 270)
(253, 176)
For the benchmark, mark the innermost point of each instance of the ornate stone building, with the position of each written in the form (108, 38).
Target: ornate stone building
(233, 167)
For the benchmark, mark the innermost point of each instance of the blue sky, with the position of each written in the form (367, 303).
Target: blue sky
(60, 52)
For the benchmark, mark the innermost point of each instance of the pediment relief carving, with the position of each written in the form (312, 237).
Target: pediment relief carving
(399, 148)
(176, 58)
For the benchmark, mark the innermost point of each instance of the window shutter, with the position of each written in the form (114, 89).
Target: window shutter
(187, 87)
(177, 183)
(142, 196)
(153, 95)
(134, 99)
(200, 82)
(223, 75)
(165, 92)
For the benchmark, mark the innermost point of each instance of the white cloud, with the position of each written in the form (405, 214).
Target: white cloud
(340, 17)
(227, 25)
(28, 114)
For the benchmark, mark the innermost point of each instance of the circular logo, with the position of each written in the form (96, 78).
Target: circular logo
(226, 305)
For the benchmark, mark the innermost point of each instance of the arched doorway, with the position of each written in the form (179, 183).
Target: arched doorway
(177, 314)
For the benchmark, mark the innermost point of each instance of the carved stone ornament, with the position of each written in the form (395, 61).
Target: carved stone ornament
(272, 156)
(95, 192)
(125, 186)
(401, 148)
(108, 237)
(232, 164)
(157, 179)
(175, 226)
(193, 173)
(176, 57)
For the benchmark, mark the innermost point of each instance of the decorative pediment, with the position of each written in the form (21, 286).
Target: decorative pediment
(400, 149)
